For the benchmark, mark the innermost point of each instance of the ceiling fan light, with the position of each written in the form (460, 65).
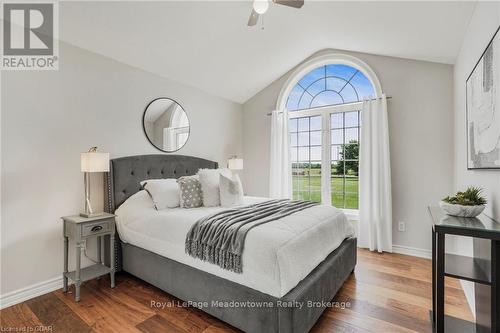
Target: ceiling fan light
(260, 6)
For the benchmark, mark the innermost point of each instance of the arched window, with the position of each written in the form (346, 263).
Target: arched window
(332, 84)
(324, 98)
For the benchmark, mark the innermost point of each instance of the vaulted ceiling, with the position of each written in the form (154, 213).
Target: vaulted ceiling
(208, 45)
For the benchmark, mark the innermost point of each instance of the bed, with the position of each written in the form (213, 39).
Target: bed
(285, 285)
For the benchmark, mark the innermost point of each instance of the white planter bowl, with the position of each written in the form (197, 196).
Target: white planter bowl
(462, 211)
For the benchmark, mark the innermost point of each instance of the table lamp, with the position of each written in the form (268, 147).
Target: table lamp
(235, 163)
(92, 161)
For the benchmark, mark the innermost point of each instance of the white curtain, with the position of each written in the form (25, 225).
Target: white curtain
(280, 171)
(375, 201)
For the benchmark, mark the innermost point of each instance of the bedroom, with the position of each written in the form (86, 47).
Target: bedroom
(279, 104)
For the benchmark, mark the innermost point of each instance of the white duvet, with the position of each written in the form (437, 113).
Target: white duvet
(277, 255)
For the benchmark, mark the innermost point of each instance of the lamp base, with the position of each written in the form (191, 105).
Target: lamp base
(90, 215)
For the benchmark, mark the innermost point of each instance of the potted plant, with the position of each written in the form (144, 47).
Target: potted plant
(469, 203)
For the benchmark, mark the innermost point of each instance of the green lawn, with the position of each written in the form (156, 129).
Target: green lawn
(309, 188)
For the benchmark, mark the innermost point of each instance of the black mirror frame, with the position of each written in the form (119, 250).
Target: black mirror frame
(144, 127)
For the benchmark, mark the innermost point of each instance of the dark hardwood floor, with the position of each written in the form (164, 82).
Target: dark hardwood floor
(387, 293)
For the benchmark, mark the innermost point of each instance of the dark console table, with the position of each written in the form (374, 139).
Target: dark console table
(481, 269)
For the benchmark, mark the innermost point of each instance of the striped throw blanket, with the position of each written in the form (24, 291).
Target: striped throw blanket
(220, 238)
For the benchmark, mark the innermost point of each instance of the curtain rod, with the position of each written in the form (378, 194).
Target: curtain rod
(371, 99)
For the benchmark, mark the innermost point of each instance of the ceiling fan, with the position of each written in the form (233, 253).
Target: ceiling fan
(261, 6)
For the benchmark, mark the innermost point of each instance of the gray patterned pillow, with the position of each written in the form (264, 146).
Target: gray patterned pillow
(190, 192)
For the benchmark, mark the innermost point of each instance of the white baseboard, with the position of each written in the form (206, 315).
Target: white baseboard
(412, 251)
(23, 294)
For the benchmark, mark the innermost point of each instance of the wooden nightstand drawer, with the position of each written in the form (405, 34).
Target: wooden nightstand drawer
(95, 228)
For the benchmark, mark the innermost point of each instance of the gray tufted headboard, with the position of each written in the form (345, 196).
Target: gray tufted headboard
(126, 173)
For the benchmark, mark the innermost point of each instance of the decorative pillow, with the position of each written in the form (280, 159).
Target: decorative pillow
(231, 191)
(190, 192)
(164, 192)
(209, 179)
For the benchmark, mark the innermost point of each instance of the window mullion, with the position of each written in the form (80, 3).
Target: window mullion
(325, 159)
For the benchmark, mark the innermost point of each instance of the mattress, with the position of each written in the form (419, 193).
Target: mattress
(277, 255)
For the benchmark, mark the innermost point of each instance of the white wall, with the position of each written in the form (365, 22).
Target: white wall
(483, 25)
(49, 117)
(420, 114)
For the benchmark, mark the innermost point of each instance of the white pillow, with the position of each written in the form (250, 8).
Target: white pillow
(231, 191)
(164, 192)
(209, 179)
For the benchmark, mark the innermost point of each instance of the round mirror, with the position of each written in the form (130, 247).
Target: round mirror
(166, 124)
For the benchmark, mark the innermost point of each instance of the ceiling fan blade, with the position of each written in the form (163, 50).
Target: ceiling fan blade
(254, 17)
(290, 3)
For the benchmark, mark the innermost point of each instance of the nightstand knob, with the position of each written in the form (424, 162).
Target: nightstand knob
(96, 228)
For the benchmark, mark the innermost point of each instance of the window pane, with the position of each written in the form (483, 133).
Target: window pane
(303, 124)
(293, 99)
(298, 168)
(326, 98)
(351, 135)
(295, 181)
(301, 195)
(351, 168)
(337, 183)
(351, 200)
(317, 87)
(338, 168)
(329, 85)
(303, 139)
(315, 196)
(316, 138)
(315, 177)
(363, 86)
(335, 83)
(312, 76)
(293, 125)
(338, 196)
(337, 120)
(337, 152)
(351, 119)
(315, 153)
(351, 184)
(293, 139)
(294, 154)
(303, 154)
(305, 101)
(343, 71)
(337, 136)
(349, 94)
(351, 152)
(316, 123)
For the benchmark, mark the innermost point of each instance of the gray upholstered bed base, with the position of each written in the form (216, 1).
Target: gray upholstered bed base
(191, 284)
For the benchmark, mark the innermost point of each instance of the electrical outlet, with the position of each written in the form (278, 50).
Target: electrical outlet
(401, 226)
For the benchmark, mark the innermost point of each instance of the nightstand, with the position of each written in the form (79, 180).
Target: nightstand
(80, 229)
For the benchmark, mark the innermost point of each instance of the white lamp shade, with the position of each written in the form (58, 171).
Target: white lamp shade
(235, 164)
(95, 162)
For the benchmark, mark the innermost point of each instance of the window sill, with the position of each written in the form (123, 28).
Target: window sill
(352, 214)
